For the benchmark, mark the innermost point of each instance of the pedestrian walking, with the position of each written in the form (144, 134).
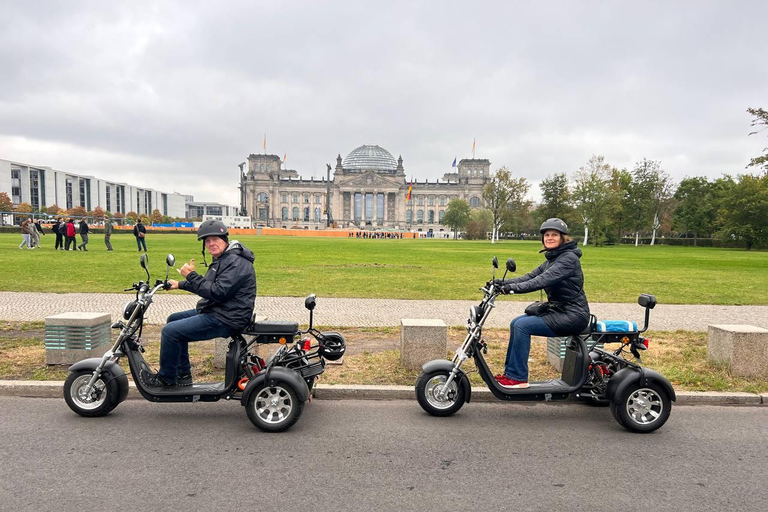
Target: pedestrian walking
(25, 236)
(70, 232)
(83, 235)
(107, 232)
(37, 232)
(139, 231)
(59, 230)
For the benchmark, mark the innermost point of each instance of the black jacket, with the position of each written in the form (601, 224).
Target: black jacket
(139, 228)
(83, 228)
(228, 289)
(563, 281)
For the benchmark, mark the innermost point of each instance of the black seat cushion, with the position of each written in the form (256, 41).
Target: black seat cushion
(268, 327)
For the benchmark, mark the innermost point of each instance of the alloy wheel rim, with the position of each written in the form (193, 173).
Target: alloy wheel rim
(88, 401)
(273, 404)
(644, 406)
(434, 388)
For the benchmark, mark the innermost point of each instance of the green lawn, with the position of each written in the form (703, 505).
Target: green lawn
(401, 269)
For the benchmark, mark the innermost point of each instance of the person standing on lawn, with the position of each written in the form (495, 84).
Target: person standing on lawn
(70, 232)
(560, 276)
(139, 231)
(57, 229)
(25, 234)
(227, 291)
(84, 235)
(107, 232)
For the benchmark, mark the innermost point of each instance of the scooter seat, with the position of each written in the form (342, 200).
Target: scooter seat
(616, 326)
(268, 327)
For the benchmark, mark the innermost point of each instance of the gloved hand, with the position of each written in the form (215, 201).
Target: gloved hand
(494, 283)
(507, 289)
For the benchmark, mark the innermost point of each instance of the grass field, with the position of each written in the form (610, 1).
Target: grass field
(400, 269)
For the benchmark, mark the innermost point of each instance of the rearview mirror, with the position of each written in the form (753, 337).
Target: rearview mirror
(143, 261)
(511, 266)
(170, 260)
(309, 302)
(495, 262)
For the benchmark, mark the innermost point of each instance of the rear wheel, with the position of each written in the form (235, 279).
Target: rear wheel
(275, 407)
(435, 398)
(642, 409)
(102, 398)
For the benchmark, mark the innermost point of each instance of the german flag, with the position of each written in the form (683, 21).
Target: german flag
(410, 189)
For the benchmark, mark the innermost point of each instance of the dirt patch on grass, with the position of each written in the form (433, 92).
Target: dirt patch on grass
(373, 357)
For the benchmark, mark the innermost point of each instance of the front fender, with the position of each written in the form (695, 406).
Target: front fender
(112, 371)
(277, 374)
(629, 376)
(447, 366)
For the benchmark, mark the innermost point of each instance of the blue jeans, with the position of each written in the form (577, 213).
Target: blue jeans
(520, 331)
(139, 242)
(182, 328)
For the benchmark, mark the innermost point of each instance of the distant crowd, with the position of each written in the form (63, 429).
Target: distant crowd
(66, 233)
(374, 234)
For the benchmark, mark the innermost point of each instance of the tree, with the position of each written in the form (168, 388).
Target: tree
(457, 215)
(592, 196)
(133, 216)
(77, 211)
(156, 216)
(6, 205)
(649, 195)
(504, 196)
(744, 211)
(54, 209)
(556, 198)
(24, 208)
(618, 211)
(695, 211)
(761, 120)
(99, 212)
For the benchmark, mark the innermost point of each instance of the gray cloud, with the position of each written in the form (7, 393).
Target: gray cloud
(175, 94)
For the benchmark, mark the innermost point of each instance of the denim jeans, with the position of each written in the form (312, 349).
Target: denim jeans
(140, 242)
(520, 331)
(182, 328)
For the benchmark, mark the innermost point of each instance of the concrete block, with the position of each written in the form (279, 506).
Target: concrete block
(221, 347)
(422, 340)
(743, 347)
(72, 337)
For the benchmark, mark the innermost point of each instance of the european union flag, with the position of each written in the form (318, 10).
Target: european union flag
(454, 162)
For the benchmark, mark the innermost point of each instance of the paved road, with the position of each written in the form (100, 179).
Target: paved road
(372, 312)
(378, 455)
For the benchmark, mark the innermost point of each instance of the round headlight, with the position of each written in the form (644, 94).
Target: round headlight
(128, 311)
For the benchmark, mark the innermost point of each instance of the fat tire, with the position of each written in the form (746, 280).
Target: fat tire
(110, 390)
(622, 416)
(296, 407)
(423, 382)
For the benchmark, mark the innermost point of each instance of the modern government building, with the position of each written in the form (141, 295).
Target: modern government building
(366, 190)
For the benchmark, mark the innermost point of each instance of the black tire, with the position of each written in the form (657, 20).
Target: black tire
(642, 409)
(427, 387)
(104, 396)
(274, 407)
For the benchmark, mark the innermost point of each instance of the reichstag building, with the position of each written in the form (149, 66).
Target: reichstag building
(366, 190)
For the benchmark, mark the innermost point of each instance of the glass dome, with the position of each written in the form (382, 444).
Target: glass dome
(370, 157)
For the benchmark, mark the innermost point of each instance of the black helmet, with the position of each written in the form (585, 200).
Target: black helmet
(332, 345)
(554, 223)
(212, 228)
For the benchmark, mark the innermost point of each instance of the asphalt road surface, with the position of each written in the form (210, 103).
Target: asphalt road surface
(379, 456)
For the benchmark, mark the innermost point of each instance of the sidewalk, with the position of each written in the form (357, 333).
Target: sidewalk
(373, 312)
(15, 306)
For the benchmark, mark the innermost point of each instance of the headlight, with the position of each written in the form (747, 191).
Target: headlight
(474, 314)
(128, 310)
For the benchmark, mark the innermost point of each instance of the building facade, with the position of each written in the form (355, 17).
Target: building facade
(42, 186)
(367, 190)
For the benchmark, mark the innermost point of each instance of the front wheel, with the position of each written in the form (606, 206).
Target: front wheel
(103, 397)
(274, 408)
(429, 393)
(642, 409)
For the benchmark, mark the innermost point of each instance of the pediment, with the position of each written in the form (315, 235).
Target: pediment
(368, 179)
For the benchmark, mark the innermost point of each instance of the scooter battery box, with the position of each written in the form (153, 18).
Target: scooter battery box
(274, 338)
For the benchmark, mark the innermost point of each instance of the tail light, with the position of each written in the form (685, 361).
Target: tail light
(307, 344)
(645, 342)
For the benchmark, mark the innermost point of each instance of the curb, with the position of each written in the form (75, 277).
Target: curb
(53, 389)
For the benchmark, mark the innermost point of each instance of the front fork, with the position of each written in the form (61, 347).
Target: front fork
(458, 360)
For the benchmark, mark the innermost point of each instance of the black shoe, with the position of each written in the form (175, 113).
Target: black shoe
(155, 380)
(184, 380)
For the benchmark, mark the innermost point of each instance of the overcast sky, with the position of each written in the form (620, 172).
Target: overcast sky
(173, 95)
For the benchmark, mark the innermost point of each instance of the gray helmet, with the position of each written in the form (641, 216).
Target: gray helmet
(554, 223)
(212, 228)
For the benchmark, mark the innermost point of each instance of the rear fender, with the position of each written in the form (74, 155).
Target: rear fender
(629, 376)
(447, 366)
(276, 375)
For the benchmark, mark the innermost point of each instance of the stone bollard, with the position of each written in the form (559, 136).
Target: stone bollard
(743, 347)
(422, 340)
(72, 337)
(221, 347)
